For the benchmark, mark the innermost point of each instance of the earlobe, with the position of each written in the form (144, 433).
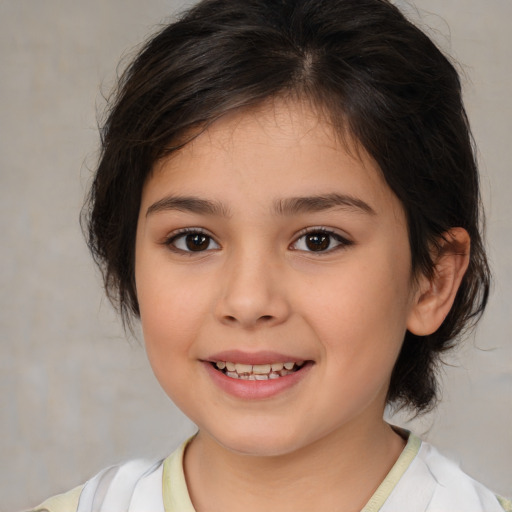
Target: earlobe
(435, 296)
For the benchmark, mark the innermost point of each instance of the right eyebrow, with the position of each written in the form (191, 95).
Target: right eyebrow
(189, 204)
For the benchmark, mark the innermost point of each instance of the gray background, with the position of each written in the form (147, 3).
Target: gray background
(75, 395)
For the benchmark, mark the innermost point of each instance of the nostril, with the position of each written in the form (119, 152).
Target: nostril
(266, 318)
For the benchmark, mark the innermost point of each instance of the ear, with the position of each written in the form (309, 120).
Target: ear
(434, 296)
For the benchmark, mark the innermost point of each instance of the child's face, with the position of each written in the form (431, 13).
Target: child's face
(264, 242)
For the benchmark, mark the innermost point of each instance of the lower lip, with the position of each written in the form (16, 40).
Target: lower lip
(256, 389)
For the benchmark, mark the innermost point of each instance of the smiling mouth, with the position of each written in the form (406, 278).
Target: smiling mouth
(257, 371)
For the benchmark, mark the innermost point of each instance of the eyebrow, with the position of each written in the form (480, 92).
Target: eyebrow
(190, 205)
(288, 206)
(297, 205)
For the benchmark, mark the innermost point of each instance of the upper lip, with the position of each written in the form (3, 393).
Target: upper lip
(260, 357)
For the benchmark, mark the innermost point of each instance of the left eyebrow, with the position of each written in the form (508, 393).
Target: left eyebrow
(297, 205)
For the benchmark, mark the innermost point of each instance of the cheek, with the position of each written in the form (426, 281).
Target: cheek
(173, 308)
(361, 309)
(168, 325)
(167, 317)
(378, 293)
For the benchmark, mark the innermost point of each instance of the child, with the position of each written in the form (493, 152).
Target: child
(288, 199)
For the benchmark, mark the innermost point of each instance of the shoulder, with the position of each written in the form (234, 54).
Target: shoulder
(126, 486)
(453, 483)
(136, 486)
(62, 502)
(505, 503)
(442, 486)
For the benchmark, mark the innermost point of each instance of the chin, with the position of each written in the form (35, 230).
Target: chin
(272, 441)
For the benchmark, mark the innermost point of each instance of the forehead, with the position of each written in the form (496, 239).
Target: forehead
(287, 146)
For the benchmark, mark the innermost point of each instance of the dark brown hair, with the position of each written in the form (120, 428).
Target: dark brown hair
(376, 75)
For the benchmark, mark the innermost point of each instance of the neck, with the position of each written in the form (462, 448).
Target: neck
(341, 471)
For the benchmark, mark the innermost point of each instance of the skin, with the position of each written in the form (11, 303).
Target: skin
(258, 287)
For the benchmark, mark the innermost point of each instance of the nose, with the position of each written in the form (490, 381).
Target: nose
(252, 293)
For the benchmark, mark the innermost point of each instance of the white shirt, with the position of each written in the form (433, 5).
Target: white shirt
(421, 480)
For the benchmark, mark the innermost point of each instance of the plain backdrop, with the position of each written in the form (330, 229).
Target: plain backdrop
(77, 396)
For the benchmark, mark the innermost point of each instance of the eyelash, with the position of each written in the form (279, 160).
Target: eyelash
(342, 242)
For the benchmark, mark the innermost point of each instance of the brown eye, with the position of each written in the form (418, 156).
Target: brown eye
(197, 242)
(317, 241)
(192, 241)
(320, 241)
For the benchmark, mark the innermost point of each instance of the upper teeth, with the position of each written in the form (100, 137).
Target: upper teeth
(270, 370)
